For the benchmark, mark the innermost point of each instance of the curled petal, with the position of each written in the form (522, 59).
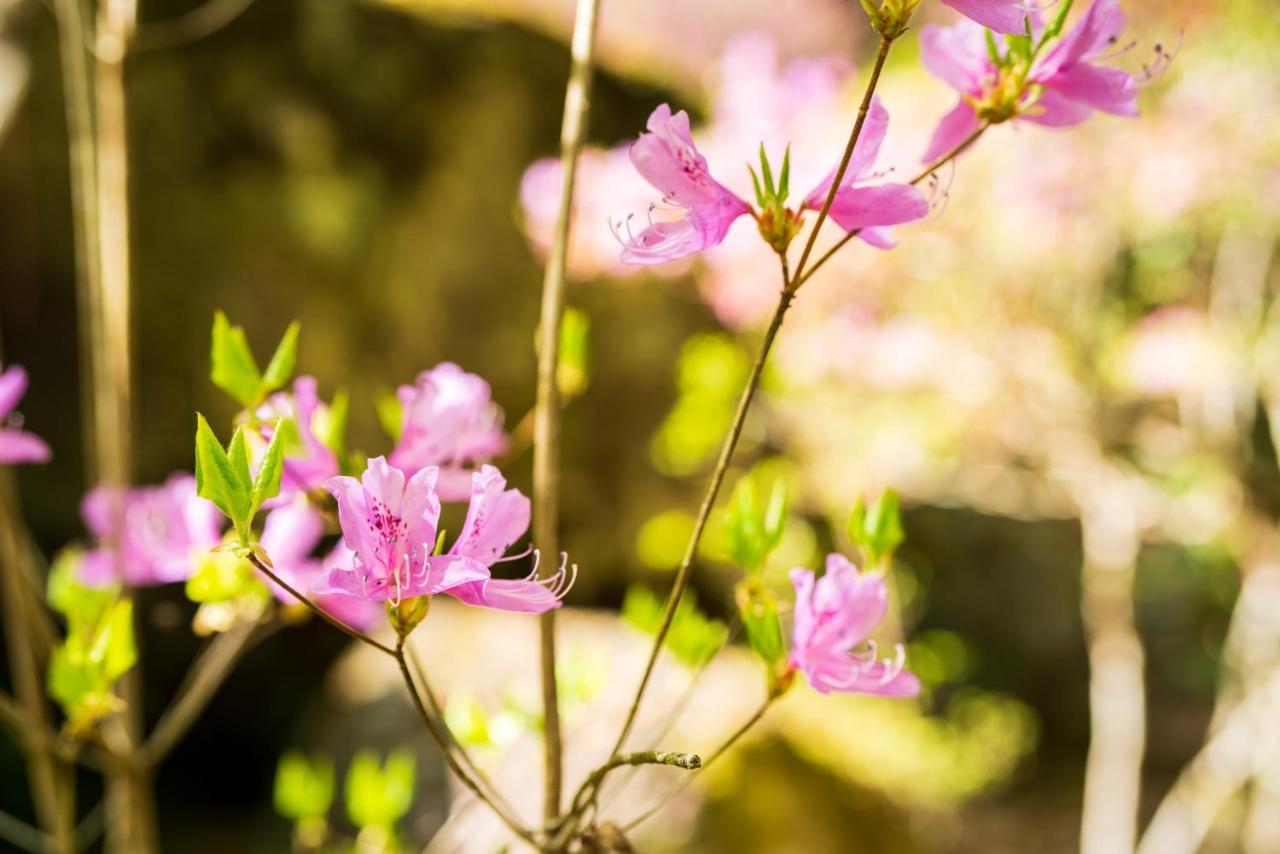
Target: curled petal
(1097, 31)
(1111, 90)
(19, 446)
(528, 597)
(863, 157)
(955, 127)
(13, 385)
(1057, 111)
(701, 228)
(886, 204)
(1003, 16)
(496, 518)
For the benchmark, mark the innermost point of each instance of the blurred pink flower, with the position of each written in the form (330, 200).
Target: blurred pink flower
(1065, 86)
(449, 421)
(307, 468)
(667, 158)
(1003, 16)
(834, 615)
(869, 210)
(496, 518)
(289, 537)
(17, 445)
(157, 532)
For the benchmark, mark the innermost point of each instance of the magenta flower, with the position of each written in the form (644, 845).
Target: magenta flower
(869, 210)
(17, 445)
(390, 525)
(305, 469)
(496, 518)
(667, 158)
(1003, 16)
(449, 421)
(155, 533)
(1064, 87)
(289, 537)
(835, 615)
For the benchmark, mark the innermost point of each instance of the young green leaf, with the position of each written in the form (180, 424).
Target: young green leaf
(304, 788)
(233, 367)
(378, 796)
(282, 363)
(390, 414)
(266, 484)
(217, 478)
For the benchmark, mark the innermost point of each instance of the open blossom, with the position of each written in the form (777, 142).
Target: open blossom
(496, 518)
(667, 158)
(308, 467)
(17, 445)
(834, 616)
(869, 210)
(449, 421)
(150, 535)
(1064, 86)
(289, 537)
(1003, 16)
(389, 527)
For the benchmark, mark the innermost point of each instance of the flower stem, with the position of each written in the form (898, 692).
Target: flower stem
(438, 733)
(882, 54)
(546, 447)
(317, 610)
(586, 793)
(929, 170)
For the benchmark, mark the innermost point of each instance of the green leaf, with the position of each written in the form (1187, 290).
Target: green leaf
(332, 431)
(84, 668)
(280, 368)
(223, 576)
(574, 370)
(877, 530)
(755, 182)
(378, 796)
(233, 367)
(693, 637)
(390, 414)
(78, 603)
(266, 484)
(766, 172)
(304, 789)
(753, 526)
(216, 478)
(784, 180)
(759, 610)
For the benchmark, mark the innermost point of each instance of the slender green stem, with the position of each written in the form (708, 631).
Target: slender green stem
(433, 704)
(317, 610)
(864, 108)
(438, 733)
(685, 781)
(932, 168)
(546, 428)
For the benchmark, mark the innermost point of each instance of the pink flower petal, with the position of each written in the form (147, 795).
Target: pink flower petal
(1003, 16)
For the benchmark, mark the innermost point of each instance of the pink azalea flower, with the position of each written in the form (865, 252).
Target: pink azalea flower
(390, 524)
(869, 210)
(496, 518)
(17, 445)
(667, 158)
(835, 615)
(1066, 85)
(1003, 16)
(450, 421)
(305, 469)
(289, 537)
(156, 532)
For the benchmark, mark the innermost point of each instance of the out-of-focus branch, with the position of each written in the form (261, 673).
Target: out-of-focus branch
(1223, 765)
(1117, 700)
(546, 427)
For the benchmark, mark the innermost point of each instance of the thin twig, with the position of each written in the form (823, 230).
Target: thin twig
(437, 733)
(882, 54)
(317, 610)
(929, 170)
(590, 786)
(21, 835)
(685, 781)
(205, 677)
(546, 446)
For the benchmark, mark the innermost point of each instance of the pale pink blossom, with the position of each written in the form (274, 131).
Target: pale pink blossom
(449, 421)
(668, 159)
(1065, 86)
(834, 619)
(869, 210)
(16, 444)
(150, 535)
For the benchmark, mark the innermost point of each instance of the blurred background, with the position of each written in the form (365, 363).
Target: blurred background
(1071, 373)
